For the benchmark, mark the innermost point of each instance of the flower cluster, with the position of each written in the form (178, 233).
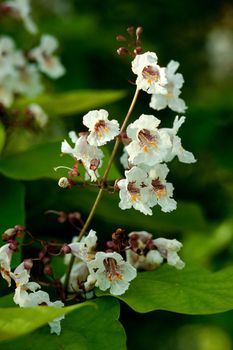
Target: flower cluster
(116, 267)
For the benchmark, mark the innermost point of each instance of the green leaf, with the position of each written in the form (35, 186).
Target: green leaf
(84, 329)
(40, 161)
(2, 136)
(15, 321)
(189, 291)
(69, 103)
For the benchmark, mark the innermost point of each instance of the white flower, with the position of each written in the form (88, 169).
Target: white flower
(6, 93)
(28, 295)
(38, 114)
(151, 77)
(134, 191)
(124, 159)
(160, 190)
(78, 277)
(171, 98)
(148, 145)
(111, 271)
(168, 248)
(90, 156)
(139, 256)
(85, 249)
(101, 129)
(43, 54)
(21, 9)
(27, 81)
(5, 262)
(176, 148)
(7, 56)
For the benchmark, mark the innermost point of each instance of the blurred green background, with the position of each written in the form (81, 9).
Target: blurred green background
(198, 34)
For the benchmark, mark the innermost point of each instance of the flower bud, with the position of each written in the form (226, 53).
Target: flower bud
(139, 31)
(65, 249)
(13, 245)
(63, 182)
(122, 51)
(121, 38)
(48, 270)
(130, 30)
(137, 50)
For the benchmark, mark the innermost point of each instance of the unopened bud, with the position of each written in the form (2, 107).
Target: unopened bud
(63, 182)
(122, 51)
(139, 31)
(121, 38)
(48, 270)
(130, 30)
(74, 216)
(28, 263)
(116, 187)
(137, 50)
(65, 249)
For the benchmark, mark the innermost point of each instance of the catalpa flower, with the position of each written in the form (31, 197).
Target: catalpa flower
(160, 190)
(176, 148)
(43, 54)
(101, 129)
(111, 271)
(28, 295)
(139, 254)
(5, 262)
(151, 77)
(148, 145)
(21, 9)
(168, 248)
(85, 250)
(134, 191)
(90, 156)
(171, 98)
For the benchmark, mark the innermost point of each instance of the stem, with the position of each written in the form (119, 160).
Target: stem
(92, 212)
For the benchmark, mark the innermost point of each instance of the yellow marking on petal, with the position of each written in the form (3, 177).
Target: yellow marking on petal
(17, 284)
(145, 149)
(161, 193)
(134, 197)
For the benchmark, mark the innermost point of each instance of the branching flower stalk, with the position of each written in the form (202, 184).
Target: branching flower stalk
(103, 181)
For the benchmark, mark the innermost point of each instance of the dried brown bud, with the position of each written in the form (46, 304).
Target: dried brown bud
(122, 51)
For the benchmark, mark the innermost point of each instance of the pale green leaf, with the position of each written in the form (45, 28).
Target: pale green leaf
(84, 329)
(189, 291)
(72, 102)
(15, 321)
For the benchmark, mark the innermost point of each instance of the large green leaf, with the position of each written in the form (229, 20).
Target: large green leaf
(189, 291)
(84, 329)
(68, 103)
(40, 161)
(15, 321)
